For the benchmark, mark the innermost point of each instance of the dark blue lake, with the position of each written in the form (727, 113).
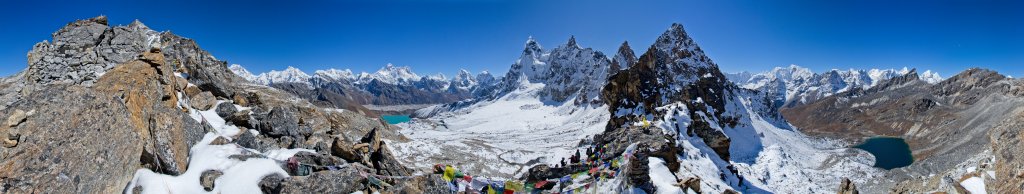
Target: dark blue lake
(890, 152)
(396, 119)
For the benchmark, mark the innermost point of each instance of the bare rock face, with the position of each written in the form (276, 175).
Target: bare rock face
(148, 89)
(202, 69)
(1006, 144)
(84, 50)
(11, 89)
(79, 141)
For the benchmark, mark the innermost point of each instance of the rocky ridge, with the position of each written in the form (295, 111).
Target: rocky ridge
(153, 99)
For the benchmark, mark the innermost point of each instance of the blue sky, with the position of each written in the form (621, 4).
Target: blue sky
(443, 36)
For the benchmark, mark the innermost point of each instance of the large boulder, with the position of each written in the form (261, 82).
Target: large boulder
(79, 141)
(279, 122)
(203, 101)
(225, 110)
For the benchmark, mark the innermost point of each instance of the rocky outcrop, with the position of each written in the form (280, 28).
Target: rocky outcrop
(847, 187)
(568, 72)
(673, 70)
(149, 93)
(78, 141)
(1006, 144)
(99, 103)
(83, 50)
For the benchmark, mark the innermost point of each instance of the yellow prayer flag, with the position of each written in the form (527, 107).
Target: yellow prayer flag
(449, 174)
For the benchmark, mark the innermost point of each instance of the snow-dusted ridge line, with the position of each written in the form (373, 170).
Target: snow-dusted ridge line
(796, 85)
(390, 74)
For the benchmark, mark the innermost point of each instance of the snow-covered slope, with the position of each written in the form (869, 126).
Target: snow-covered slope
(796, 85)
(501, 137)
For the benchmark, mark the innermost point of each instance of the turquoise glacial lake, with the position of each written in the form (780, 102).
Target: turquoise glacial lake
(396, 119)
(889, 152)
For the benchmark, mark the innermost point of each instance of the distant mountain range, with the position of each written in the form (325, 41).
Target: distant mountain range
(391, 85)
(795, 85)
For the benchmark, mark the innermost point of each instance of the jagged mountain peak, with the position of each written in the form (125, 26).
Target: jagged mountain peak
(571, 42)
(623, 58)
(673, 38)
(532, 47)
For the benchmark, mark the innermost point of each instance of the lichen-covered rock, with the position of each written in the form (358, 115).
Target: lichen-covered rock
(225, 110)
(203, 101)
(80, 141)
(280, 122)
(146, 86)
(16, 118)
(11, 89)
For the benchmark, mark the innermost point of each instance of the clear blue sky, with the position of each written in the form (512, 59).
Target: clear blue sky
(443, 36)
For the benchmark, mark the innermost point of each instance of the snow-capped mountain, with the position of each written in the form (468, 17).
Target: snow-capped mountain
(796, 85)
(569, 72)
(391, 74)
(390, 85)
(288, 75)
(675, 98)
(242, 72)
(464, 80)
(334, 74)
(540, 110)
(671, 113)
